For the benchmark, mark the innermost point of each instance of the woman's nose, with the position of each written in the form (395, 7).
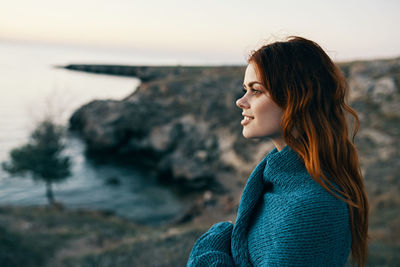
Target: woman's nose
(241, 103)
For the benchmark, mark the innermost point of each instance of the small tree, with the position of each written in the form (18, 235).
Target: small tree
(41, 157)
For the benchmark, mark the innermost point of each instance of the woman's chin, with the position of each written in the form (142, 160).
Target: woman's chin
(247, 135)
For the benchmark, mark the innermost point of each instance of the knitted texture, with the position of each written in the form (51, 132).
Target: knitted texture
(212, 248)
(285, 218)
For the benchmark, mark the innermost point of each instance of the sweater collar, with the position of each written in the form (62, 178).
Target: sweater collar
(282, 165)
(270, 169)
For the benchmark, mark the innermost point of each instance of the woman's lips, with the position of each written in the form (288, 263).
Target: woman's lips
(246, 120)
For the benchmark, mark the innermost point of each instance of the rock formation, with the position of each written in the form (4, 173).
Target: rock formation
(183, 122)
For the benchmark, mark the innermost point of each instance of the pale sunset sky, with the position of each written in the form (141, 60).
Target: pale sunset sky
(221, 31)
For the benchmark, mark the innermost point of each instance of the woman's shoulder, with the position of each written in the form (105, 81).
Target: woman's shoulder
(309, 225)
(308, 189)
(317, 204)
(307, 204)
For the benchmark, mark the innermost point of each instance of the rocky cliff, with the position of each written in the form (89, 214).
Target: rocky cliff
(375, 94)
(184, 125)
(183, 121)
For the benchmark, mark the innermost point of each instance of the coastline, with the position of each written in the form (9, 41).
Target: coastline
(83, 237)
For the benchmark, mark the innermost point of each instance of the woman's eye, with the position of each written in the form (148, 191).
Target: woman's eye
(253, 91)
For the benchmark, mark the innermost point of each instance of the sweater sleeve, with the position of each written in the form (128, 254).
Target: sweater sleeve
(213, 247)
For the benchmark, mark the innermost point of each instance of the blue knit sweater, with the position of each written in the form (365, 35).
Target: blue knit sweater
(285, 218)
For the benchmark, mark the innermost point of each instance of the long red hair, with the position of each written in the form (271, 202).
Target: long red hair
(312, 91)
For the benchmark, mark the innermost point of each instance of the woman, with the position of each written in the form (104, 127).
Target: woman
(305, 203)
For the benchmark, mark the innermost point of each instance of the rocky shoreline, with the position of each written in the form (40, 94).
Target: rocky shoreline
(182, 123)
(185, 126)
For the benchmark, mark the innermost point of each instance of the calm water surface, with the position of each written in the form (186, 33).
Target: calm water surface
(30, 87)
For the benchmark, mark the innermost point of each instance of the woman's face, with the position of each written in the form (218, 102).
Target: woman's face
(262, 117)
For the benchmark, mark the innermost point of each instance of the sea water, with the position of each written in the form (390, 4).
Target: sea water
(31, 86)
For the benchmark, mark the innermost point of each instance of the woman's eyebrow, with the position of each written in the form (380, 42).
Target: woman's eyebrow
(251, 83)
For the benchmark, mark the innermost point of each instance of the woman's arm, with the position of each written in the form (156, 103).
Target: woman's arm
(213, 248)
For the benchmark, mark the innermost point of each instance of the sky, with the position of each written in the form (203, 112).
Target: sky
(220, 31)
